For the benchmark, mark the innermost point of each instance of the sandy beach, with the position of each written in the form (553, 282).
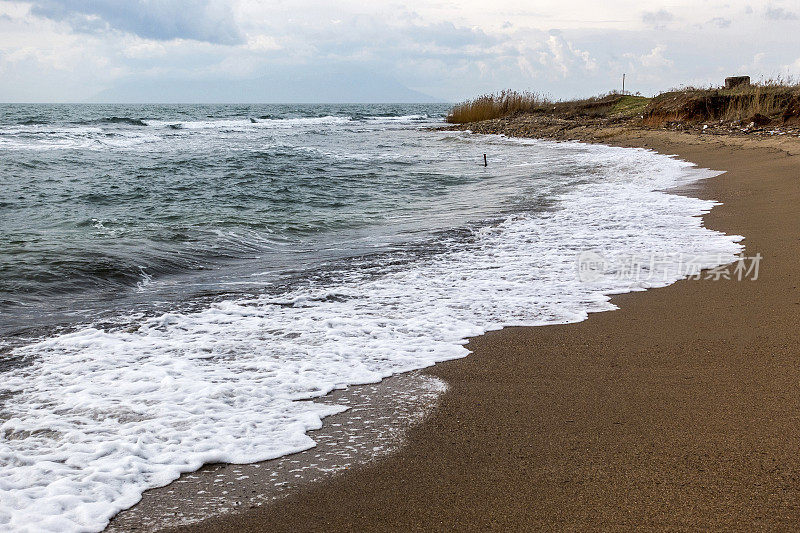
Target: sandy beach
(677, 411)
(366, 267)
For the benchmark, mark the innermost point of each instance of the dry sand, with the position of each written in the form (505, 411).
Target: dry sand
(679, 411)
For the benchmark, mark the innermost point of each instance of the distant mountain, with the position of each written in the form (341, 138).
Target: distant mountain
(285, 85)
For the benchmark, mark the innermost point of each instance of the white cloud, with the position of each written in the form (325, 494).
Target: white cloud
(655, 58)
(261, 43)
(563, 57)
(452, 50)
(144, 49)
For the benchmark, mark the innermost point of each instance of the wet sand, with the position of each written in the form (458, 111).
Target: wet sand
(680, 410)
(378, 416)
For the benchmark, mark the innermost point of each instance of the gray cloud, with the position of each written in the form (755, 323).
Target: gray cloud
(657, 18)
(720, 22)
(361, 39)
(164, 20)
(446, 34)
(778, 13)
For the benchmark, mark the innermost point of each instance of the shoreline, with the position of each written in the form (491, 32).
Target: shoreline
(377, 418)
(457, 470)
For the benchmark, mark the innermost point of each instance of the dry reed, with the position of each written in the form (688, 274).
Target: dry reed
(502, 104)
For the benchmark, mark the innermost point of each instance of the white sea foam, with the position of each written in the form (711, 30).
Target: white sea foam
(39, 137)
(47, 137)
(400, 119)
(99, 416)
(247, 123)
(146, 279)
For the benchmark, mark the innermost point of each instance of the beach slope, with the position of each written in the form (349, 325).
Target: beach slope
(681, 410)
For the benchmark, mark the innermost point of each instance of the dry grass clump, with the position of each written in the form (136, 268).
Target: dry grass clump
(766, 101)
(502, 104)
(774, 101)
(507, 103)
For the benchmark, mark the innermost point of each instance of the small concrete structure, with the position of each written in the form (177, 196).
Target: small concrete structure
(736, 81)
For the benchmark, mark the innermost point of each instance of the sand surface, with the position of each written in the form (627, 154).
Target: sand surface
(679, 411)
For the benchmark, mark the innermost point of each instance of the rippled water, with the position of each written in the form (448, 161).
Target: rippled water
(100, 203)
(177, 281)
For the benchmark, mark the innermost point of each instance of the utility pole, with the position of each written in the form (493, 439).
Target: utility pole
(623, 84)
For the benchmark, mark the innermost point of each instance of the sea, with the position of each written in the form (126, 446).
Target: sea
(177, 282)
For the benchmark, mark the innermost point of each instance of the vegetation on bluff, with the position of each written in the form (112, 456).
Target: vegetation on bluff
(768, 102)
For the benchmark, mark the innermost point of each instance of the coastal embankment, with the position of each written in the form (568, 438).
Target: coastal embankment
(678, 411)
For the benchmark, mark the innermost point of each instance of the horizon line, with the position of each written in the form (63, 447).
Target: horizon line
(228, 103)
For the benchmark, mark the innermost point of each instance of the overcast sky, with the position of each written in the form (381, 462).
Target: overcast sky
(62, 50)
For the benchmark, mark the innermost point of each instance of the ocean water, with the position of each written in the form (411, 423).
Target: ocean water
(177, 282)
